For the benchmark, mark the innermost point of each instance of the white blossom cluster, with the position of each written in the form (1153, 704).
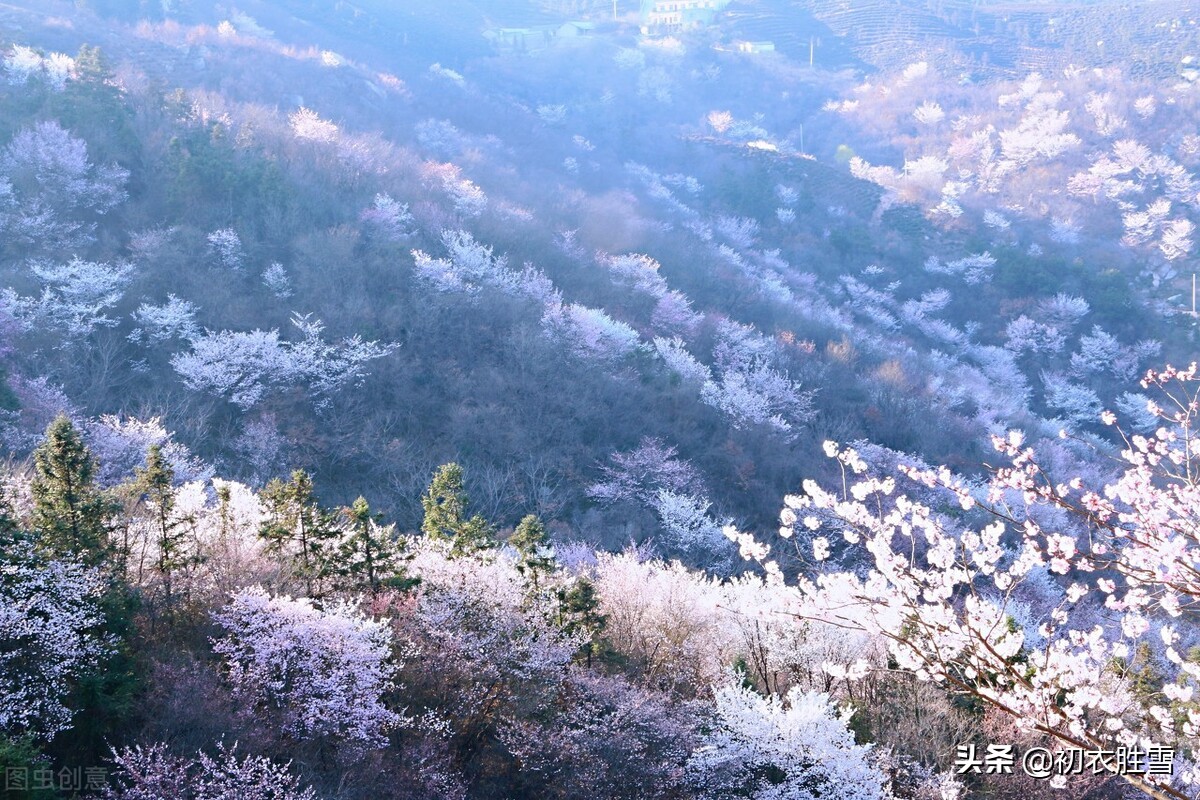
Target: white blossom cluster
(49, 611)
(325, 670)
(244, 366)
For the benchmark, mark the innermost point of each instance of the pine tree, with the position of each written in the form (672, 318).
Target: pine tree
(298, 530)
(71, 516)
(369, 556)
(445, 507)
(72, 521)
(157, 485)
(534, 558)
(475, 535)
(578, 610)
(445, 503)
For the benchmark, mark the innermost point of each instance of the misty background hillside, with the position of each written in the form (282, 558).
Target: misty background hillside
(619, 273)
(867, 264)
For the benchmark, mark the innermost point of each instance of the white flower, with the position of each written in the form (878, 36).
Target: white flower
(821, 548)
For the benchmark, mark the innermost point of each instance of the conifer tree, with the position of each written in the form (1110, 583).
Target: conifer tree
(445, 507)
(578, 610)
(156, 482)
(369, 556)
(534, 558)
(474, 535)
(224, 496)
(71, 516)
(445, 503)
(298, 530)
(71, 522)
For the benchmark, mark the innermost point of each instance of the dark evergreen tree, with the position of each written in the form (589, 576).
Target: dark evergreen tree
(298, 531)
(10, 530)
(445, 503)
(72, 519)
(156, 482)
(71, 515)
(370, 556)
(534, 559)
(578, 610)
(445, 507)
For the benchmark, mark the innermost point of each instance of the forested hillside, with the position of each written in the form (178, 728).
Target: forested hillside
(506, 399)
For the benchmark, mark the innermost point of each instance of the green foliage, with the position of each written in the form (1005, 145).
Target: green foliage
(206, 171)
(10, 529)
(1109, 294)
(8, 399)
(579, 611)
(1144, 680)
(1018, 273)
(71, 516)
(445, 505)
(71, 520)
(20, 757)
(859, 724)
(370, 556)
(741, 668)
(107, 699)
(298, 531)
(474, 535)
(907, 220)
(94, 107)
(534, 559)
(156, 482)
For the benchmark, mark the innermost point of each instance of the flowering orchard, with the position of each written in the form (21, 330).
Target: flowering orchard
(1106, 662)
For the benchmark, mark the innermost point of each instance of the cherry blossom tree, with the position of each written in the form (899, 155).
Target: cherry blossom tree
(144, 772)
(389, 217)
(606, 740)
(226, 247)
(275, 278)
(746, 386)
(1024, 334)
(23, 64)
(327, 367)
(929, 113)
(1079, 404)
(120, 444)
(591, 334)
(49, 618)
(781, 748)
(638, 272)
(245, 365)
(673, 314)
(1063, 311)
(682, 363)
(174, 319)
(239, 365)
(643, 472)
(325, 670)
(469, 200)
(307, 124)
(499, 646)
(1041, 134)
(469, 266)
(687, 523)
(51, 192)
(440, 136)
(940, 589)
(75, 298)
